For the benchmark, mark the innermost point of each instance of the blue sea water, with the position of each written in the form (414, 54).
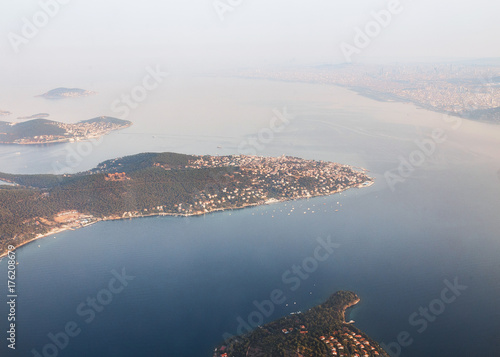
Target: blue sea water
(195, 279)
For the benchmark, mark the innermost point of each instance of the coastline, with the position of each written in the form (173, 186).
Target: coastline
(55, 231)
(117, 218)
(380, 96)
(344, 309)
(70, 140)
(286, 332)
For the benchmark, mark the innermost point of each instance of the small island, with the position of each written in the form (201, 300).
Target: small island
(61, 93)
(151, 184)
(35, 116)
(4, 113)
(320, 331)
(43, 131)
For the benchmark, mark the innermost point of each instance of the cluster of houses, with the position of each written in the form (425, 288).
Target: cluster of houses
(302, 330)
(256, 181)
(118, 176)
(286, 177)
(282, 166)
(221, 352)
(345, 341)
(342, 343)
(85, 129)
(73, 132)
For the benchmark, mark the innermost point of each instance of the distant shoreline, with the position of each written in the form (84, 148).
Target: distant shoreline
(69, 140)
(383, 97)
(41, 131)
(194, 214)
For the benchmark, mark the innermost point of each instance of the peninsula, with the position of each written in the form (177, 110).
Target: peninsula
(320, 331)
(161, 184)
(61, 93)
(44, 131)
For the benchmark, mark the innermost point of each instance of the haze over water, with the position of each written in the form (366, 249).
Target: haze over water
(195, 276)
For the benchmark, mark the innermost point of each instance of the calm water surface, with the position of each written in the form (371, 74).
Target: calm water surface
(195, 277)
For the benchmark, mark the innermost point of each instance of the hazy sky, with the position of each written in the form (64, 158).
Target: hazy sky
(115, 34)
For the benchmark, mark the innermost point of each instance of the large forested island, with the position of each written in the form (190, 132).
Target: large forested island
(160, 184)
(320, 331)
(43, 131)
